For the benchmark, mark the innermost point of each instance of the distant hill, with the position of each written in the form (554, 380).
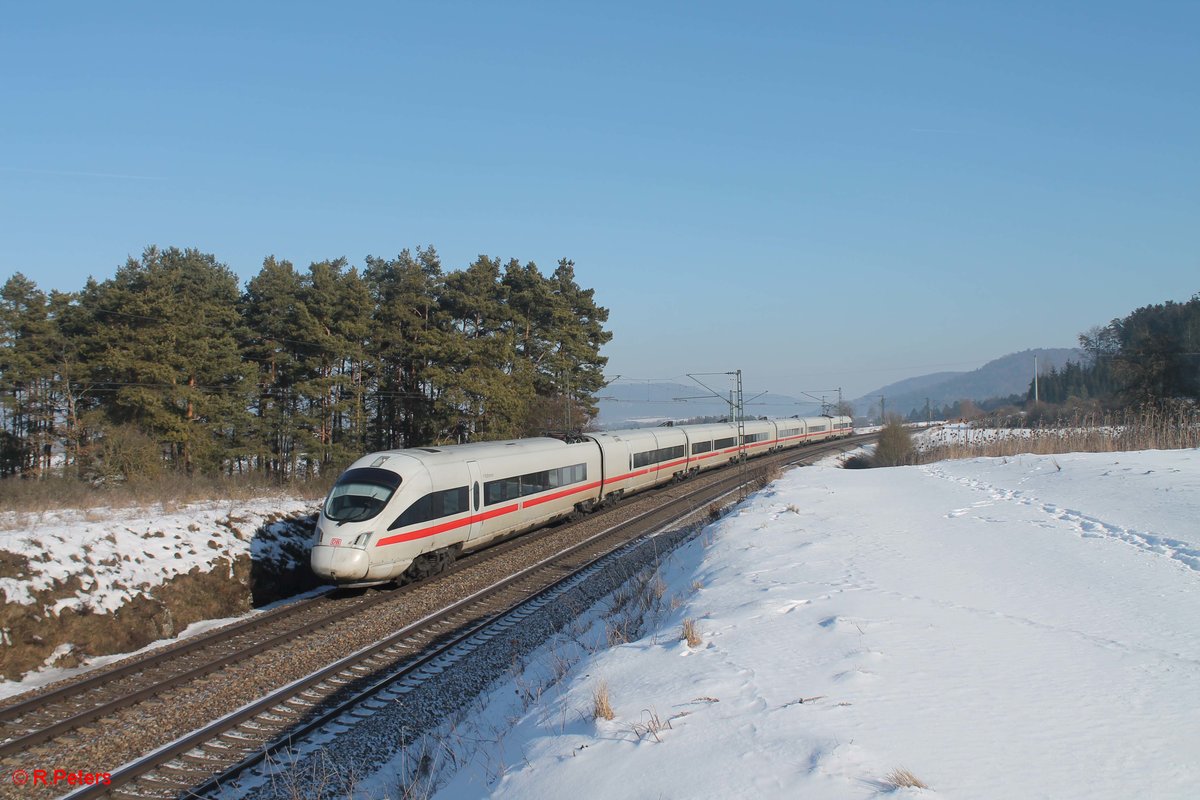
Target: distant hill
(1002, 377)
(636, 404)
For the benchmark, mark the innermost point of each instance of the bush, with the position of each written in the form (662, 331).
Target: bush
(895, 447)
(122, 453)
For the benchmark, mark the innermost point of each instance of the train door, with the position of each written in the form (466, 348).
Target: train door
(475, 494)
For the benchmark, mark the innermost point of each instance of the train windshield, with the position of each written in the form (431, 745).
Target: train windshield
(361, 494)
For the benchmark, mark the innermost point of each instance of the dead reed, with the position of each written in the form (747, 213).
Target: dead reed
(1147, 429)
(601, 707)
(691, 633)
(901, 778)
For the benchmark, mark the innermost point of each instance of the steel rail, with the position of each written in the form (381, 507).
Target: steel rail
(101, 676)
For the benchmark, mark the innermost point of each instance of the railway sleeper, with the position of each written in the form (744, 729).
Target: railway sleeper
(173, 774)
(202, 760)
(225, 746)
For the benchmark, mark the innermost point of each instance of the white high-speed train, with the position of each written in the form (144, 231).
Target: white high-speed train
(409, 513)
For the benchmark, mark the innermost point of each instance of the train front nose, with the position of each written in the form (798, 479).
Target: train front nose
(340, 564)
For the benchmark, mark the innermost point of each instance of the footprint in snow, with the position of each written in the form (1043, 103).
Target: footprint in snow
(855, 676)
(788, 608)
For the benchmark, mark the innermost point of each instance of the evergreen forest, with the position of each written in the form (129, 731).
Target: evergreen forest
(171, 365)
(1150, 357)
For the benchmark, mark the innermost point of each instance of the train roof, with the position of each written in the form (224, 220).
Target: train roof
(472, 451)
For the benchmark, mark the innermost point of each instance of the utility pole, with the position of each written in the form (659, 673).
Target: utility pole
(741, 419)
(1035, 386)
(737, 404)
(928, 414)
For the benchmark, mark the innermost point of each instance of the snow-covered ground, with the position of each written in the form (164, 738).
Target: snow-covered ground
(113, 555)
(1003, 628)
(96, 562)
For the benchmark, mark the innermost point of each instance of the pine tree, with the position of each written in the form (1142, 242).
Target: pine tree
(340, 304)
(404, 341)
(26, 377)
(580, 333)
(167, 354)
(279, 326)
(481, 393)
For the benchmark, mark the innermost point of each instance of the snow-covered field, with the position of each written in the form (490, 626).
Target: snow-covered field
(112, 555)
(1003, 628)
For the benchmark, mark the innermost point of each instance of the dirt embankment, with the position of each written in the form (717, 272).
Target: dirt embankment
(250, 561)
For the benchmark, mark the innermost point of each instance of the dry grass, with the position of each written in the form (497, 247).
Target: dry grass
(691, 633)
(650, 726)
(764, 476)
(655, 591)
(168, 491)
(901, 778)
(601, 706)
(619, 632)
(1149, 429)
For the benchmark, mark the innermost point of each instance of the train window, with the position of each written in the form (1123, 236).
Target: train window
(532, 483)
(476, 492)
(453, 501)
(417, 512)
(751, 438)
(535, 482)
(501, 490)
(667, 453)
(720, 444)
(701, 447)
(816, 428)
(642, 459)
(434, 505)
(360, 494)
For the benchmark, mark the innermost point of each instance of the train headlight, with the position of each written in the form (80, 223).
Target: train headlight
(362, 539)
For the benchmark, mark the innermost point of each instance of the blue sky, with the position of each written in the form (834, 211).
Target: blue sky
(820, 194)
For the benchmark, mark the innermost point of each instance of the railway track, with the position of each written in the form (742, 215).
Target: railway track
(345, 686)
(44, 715)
